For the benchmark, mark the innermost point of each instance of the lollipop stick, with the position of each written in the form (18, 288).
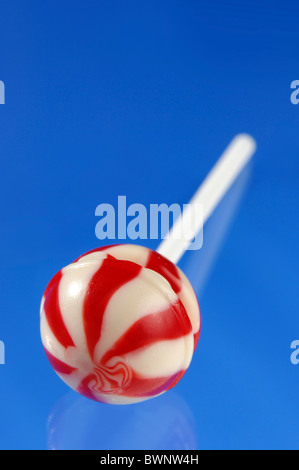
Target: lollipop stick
(207, 197)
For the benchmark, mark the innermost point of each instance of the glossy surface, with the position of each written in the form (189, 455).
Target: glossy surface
(119, 325)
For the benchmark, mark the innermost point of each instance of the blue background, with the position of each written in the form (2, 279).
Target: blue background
(108, 98)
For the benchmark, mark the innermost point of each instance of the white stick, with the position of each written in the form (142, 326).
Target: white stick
(208, 196)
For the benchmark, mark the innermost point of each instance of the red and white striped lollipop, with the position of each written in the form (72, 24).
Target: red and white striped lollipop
(120, 324)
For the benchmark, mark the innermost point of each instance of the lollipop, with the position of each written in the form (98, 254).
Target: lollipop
(120, 324)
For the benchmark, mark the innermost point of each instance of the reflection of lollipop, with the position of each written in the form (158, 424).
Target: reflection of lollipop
(120, 324)
(126, 427)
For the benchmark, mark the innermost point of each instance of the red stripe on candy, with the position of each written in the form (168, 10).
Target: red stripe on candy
(168, 324)
(138, 386)
(141, 386)
(85, 388)
(169, 383)
(176, 379)
(166, 268)
(112, 275)
(95, 250)
(53, 312)
(59, 366)
(53, 281)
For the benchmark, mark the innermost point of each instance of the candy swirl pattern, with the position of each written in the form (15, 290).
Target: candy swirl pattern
(120, 324)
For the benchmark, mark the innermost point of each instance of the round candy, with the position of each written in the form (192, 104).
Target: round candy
(120, 324)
